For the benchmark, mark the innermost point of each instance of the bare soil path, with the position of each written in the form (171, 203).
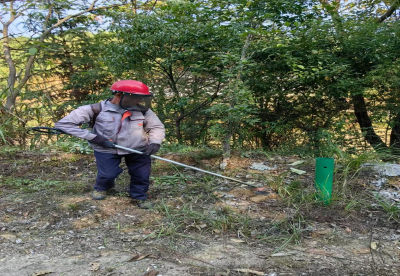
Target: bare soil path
(49, 225)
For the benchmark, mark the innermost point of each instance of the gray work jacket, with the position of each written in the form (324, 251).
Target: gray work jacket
(135, 131)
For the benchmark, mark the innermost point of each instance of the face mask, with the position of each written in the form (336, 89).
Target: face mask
(135, 102)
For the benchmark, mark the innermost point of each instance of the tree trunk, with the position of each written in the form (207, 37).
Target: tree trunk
(226, 148)
(194, 111)
(12, 74)
(178, 129)
(231, 129)
(395, 136)
(360, 110)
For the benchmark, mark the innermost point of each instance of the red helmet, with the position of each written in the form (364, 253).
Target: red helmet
(135, 95)
(130, 86)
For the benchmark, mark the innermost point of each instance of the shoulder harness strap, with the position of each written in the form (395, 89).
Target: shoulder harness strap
(96, 108)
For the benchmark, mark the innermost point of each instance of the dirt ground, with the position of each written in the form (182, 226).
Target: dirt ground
(49, 225)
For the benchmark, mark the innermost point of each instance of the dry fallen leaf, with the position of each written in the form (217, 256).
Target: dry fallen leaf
(374, 245)
(41, 273)
(283, 254)
(245, 270)
(237, 240)
(261, 189)
(362, 251)
(138, 257)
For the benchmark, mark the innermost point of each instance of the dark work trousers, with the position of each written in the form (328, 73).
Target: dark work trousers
(108, 169)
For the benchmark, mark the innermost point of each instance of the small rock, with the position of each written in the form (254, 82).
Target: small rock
(296, 163)
(385, 169)
(260, 167)
(300, 172)
(9, 237)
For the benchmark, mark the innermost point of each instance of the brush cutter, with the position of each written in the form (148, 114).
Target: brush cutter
(56, 131)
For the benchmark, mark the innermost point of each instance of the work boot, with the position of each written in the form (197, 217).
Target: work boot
(99, 195)
(112, 192)
(143, 203)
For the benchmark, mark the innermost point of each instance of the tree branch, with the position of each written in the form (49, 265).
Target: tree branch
(94, 3)
(92, 8)
(203, 104)
(14, 91)
(47, 17)
(389, 12)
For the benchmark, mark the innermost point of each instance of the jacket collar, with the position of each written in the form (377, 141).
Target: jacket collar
(108, 106)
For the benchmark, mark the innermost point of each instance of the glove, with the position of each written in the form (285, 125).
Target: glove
(152, 149)
(99, 140)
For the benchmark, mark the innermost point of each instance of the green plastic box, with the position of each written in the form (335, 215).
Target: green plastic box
(324, 168)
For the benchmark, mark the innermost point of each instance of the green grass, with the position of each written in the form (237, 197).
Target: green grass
(184, 185)
(285, 232)
(195, 214)
(189, 218)
(36, 185)
(293, 229)
(187, 202)
(392, 209)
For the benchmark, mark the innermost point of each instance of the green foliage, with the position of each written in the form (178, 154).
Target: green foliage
(279, 75)
(49, 56)
(201, 151)
(75, 146)
(81, 72)
(235, 112)
(184, 61)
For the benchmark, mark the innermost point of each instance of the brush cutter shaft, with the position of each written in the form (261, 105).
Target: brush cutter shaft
(49, 130)
(180, 164)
